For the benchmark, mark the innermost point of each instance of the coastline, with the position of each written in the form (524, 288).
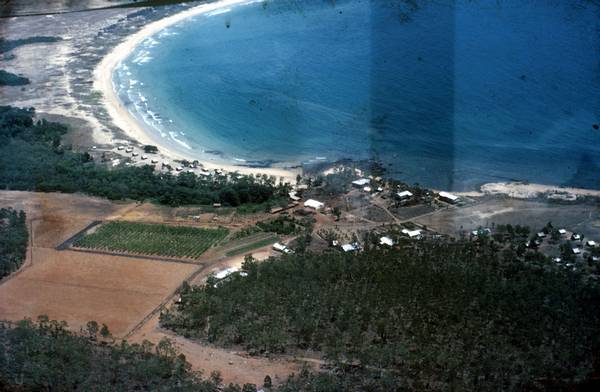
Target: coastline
(123, 119)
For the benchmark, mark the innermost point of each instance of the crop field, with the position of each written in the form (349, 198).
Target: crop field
(152, 239)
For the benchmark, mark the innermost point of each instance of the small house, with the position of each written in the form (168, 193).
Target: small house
(386, 241)
(293, 196)
(448, 197)
(279, 247)
(412, 233)
(404, 195)
(591, 244)
(367, 189)
(361, 182)
(349, 247)
(576, 237)
(314, 204)
(562, 231)
(576, 251)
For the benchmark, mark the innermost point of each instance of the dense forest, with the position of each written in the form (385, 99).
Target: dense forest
(32, 157)
(13, 240)
(45, 356)
(425, 315)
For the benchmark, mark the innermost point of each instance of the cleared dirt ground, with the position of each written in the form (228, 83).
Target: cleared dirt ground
(584, 218)
(78, 287)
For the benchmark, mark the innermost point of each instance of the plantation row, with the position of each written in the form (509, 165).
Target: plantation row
(152, 239)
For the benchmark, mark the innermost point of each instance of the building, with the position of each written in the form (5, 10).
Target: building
(279, 247)
(226, 272)
(404, 195)
(367, 189)
(314, 204)
(349, 247)
(541, 234)
(412, 233)
(591, 244)
(576, 251)
(293, 196)
(448, 197)
(386, 241)
(576, 237)
(562, 231)
(361, 182)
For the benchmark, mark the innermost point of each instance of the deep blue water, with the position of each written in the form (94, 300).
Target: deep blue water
(449, 94)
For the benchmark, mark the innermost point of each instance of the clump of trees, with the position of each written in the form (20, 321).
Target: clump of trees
(13, 240)
(45, 356)
(426, 315)
(33, 158)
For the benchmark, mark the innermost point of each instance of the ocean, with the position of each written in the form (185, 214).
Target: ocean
(448, 94)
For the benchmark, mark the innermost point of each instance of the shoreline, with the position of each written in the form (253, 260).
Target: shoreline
(133, 129)
(130, 126)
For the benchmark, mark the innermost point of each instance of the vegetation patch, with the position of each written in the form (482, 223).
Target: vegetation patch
(10, 79)
(9, 44)
(152, 239)
(33, 158)
(428, 315)
(13, 240)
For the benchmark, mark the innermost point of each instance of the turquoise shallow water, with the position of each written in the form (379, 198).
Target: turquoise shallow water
(447, 94)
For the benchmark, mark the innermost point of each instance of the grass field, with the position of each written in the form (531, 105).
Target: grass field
(152, 239)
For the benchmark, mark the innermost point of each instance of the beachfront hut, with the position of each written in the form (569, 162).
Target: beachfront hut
(404, 195)
(386, 241)
(361, 182)
(314, 204)
(448, 197)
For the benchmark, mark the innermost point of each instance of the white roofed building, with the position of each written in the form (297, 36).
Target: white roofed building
(349, 247)
(404, 195)
(448, 197)
(311, 203)
(361, 182)
(386, 241)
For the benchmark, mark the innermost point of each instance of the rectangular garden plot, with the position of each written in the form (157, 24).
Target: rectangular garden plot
(151, 239)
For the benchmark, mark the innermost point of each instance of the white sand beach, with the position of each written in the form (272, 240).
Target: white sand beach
(123, 119)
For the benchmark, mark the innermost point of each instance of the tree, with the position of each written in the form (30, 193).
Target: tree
(92, 329)
(104, 332)
(149, 149)
(267, 383)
